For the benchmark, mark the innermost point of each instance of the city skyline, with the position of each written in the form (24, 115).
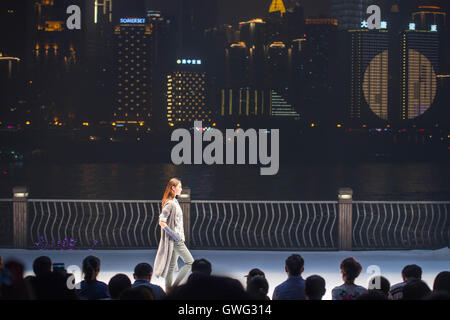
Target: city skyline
(281, 66)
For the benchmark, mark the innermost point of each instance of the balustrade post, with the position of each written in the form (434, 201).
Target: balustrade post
(20, 211)
(345, 227)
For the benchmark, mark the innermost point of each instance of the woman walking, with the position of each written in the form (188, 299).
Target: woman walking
(170, 249)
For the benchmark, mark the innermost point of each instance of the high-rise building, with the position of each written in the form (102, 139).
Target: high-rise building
(319, 52)
(163, 53)
(253, 32)
(99, 57)
(279, 68)
(420, 65)
(394, 72)
(295, 17)
(239, 103)
(133, 108)
(13, 38)
(427, 14)
(10, 90)
(99, 28)
(187, 94)
(55, 67)
(245, 94)
(369, 74)
(349, 13)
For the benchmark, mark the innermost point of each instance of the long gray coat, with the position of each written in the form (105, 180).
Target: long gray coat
(165, 248)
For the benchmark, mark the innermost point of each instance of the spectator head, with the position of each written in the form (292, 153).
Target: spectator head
(379, 283)
(315, 287)
(412, 271)
(372, 295)
(16, 270)
(42, 266)
(12, 284)
(143, 271)
(254, 272)
(350, 269)
(118, 284)
(294, 265)
(91, 268)
(1, 263)
(415, 289)
(258, 287)
(202, 266)
(442, 282)
(137, 293)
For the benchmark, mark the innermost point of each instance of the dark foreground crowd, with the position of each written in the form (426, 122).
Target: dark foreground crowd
(51, 282)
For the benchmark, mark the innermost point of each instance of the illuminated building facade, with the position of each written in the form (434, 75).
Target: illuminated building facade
(277, 6)
(245, 102)
(369, 74)
(393, 73)
(133, 109)
(103, 10)
(52, 40)
(187, 94)
(420, 65)
(279, 107)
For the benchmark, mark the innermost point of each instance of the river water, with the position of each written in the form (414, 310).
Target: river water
(310, 180)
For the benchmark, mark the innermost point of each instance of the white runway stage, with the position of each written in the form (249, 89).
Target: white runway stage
(236, 264)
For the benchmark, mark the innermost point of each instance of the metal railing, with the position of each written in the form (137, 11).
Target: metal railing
(94, 223)
(264, 225)
(400, 224)
(217, 224)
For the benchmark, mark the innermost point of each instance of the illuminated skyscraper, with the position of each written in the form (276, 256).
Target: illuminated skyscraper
(393, 72)
(369, 74)
(278, 64)
(99, 28)
(244, 102)
(246, 94)
(103, 11)
(133, 109)
(57, 56)
(420, 65)
(187, 95)
(253, 32)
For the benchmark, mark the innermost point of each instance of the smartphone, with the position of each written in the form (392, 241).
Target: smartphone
(59, 267)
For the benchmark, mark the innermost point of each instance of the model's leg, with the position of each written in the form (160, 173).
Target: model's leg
(187, 258)
(172, 264)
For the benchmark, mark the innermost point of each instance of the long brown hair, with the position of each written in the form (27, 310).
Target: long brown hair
(169, 194)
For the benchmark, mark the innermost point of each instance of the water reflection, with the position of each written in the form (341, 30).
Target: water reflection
(302, 181)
